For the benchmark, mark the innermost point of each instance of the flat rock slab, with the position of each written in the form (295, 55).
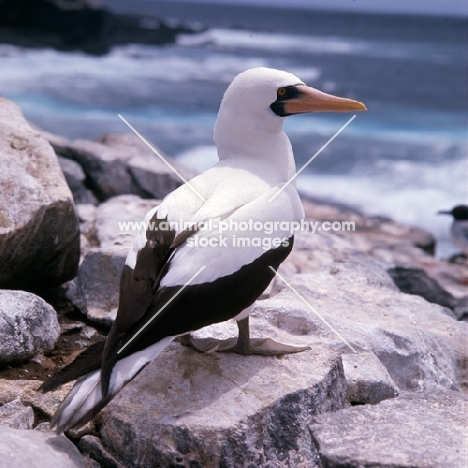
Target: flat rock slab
(36, 449)
(411, 431)
(188, 409)
(420, 344)
(39, 233)
(368, 379)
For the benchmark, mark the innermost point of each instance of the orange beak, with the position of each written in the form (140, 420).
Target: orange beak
(313, 100)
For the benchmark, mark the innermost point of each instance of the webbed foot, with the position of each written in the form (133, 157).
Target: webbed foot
(241, 345)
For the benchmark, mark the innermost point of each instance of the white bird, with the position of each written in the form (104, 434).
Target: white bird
(179, 280)
(459, 227)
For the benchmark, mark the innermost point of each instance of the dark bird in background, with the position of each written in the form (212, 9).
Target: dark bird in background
(459, 228)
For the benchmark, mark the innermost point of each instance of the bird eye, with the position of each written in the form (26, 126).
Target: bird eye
(282, 92)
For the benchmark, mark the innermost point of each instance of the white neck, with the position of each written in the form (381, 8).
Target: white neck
(258, 143)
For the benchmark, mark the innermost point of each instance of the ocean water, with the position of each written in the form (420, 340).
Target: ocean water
(406, 157)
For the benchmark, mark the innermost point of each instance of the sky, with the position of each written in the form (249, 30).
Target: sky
(433, 7)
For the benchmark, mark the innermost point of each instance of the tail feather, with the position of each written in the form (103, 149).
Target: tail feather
(82, 403)
(86, 362)
(85, 398)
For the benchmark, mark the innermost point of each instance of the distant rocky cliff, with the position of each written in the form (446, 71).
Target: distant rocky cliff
(78, 25)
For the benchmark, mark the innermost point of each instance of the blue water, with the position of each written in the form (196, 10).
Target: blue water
(406, 157)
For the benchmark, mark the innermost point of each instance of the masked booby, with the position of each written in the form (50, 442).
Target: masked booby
(459, 227)
(177, 280)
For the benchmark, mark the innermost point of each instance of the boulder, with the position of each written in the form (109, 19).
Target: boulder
(16, 415)
(99, 281)
(28, 325)
(367, 378)
(124, 164)
(37, 449)
(92, 446)
(412, 431)
(76, 179)
(90, 463)
(36, 208)
(190, 409)
(118, 219)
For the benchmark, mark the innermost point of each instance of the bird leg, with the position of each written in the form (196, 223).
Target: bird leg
(242, 345)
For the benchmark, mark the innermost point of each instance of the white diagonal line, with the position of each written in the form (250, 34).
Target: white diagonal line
(312, 158)
(161, 309)
(158, 154)
(314, 311)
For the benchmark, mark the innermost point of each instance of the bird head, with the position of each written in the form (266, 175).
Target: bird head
(459, 212)
(270, 92)
(254, 106)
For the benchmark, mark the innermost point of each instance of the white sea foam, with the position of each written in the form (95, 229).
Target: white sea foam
(408, 191)
(309, 44)
(200, 158)
(272, 42)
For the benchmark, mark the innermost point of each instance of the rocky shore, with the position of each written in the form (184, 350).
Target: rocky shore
(384, 383)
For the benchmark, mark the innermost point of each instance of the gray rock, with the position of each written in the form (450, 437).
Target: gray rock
(461, 309)
(123, 164)
(391, 243)
(43, 427)
(22, 389)
(112, 216)
(90, 463)
(416, 281)
(16, 415)
(37, 449)
(99, 279)
(87, 217)
(71, 170)
(36, 208)
(76, 180)
(58, 143)
(411, 431)
(73, 292)
(28, 325)
(367, 378)
(78, 433)
(93, 446)
(420, 344)
(26, 391)
(190, 409)
(370, 231)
